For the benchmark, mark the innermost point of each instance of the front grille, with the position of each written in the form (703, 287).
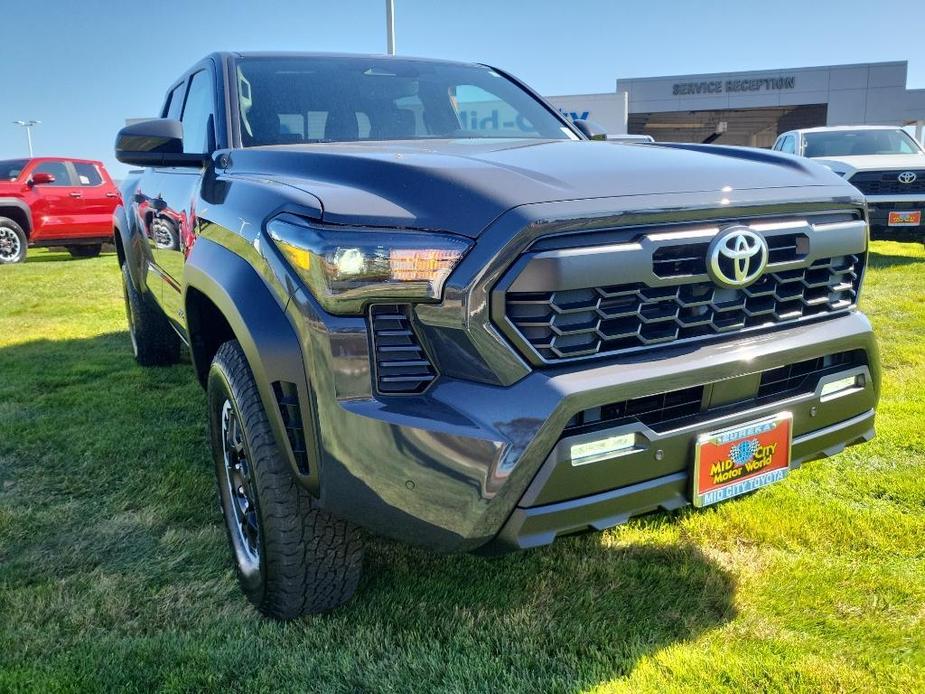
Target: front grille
(887, 183)
(402, 366)
(677, 408)
(618, 318)
(683, 260)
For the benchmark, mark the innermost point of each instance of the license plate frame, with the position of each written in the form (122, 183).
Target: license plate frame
(715, 464)
(904, 218)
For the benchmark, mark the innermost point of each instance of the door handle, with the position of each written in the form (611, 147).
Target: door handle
(75, 194)
(112, 195)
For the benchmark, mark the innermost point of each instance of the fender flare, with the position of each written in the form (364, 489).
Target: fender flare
(22, 207)
(134, 247)
(270, 343)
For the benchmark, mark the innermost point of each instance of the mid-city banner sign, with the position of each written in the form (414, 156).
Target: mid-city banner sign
(732, 86)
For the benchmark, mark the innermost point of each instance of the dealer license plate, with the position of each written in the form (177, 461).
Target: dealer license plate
(910, 218)
(739, 459)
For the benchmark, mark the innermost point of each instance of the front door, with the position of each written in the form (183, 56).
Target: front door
(173, 227)
(57, 209)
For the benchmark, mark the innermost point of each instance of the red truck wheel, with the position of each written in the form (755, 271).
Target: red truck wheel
(13, 242)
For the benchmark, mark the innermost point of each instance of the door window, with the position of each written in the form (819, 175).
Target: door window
(174, 103)
(58, 169)
(87, 174)
(197, 133)
(787, 145)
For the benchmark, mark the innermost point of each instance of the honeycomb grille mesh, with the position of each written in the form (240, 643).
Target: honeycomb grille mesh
(607, 320)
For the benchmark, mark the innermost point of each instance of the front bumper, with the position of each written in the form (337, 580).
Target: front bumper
(468, 464)
(879, 208)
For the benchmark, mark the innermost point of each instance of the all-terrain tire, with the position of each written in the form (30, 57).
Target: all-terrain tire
(154, 341)
(13, 242)
(85, 251)
(292, 558)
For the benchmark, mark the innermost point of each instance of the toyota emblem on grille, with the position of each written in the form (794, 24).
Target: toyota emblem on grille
(907, 177)
(737, 257)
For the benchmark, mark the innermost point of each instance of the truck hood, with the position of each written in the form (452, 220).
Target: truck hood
(462, 185)
(848, 166)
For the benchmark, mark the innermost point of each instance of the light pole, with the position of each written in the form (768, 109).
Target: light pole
(28, 125)
(390, 25)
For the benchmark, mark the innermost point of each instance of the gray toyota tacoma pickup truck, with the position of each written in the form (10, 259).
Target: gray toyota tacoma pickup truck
(425, 304)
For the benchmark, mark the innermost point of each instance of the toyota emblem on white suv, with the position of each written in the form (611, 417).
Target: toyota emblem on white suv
(737, 257)
(907, 177)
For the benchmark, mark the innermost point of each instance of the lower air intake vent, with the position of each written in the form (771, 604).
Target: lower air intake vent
(402, 365)
(793, 377)
(287, 397)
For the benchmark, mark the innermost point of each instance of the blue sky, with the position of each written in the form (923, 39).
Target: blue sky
(83, 67)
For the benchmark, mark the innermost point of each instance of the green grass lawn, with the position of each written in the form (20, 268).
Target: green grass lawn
(114, 572)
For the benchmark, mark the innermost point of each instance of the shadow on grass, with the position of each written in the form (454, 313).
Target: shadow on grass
(56, 255)
(885, 260)
(107, 502)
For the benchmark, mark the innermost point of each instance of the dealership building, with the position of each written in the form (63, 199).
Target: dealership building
(752, 108)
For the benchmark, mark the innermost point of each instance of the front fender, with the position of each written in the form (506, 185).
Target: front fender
(23, 208)
(258, 321)
(134, 245)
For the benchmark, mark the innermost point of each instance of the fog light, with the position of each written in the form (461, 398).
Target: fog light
(841, 385)
(593, 451)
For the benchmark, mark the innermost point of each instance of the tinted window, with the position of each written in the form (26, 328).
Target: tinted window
(11, 168)
(174, 105)
(56, 169)
(310, 99)
(846, 143)
(196, 112)
(787, 145)
(87, 174)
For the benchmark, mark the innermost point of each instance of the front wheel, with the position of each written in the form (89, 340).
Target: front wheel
(292, 558)
(13, 242)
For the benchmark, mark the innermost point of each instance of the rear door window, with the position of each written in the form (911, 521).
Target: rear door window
(87, 174)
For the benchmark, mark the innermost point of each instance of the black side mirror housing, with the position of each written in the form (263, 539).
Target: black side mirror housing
(157, 142)
(590, 129)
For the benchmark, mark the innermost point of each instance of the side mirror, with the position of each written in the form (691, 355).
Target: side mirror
(157, 142)
(591, 130)
(41, 179)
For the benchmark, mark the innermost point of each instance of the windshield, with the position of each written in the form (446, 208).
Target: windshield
(11, 168)
(343, 99)
(848, 143)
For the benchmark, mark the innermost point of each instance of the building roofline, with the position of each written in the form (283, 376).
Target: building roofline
(745, 73)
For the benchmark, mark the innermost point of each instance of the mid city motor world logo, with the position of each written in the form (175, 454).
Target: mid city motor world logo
(495, 119)
(744, 458)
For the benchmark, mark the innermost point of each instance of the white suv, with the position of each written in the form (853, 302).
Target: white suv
(885, 163)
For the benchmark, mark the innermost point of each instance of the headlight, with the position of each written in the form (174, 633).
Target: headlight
(347, 269)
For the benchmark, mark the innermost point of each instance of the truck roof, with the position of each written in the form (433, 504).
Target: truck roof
(79, 160)
(325, 54)
(836, 128)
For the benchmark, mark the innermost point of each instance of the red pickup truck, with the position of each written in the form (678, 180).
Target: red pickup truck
(51, 201)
